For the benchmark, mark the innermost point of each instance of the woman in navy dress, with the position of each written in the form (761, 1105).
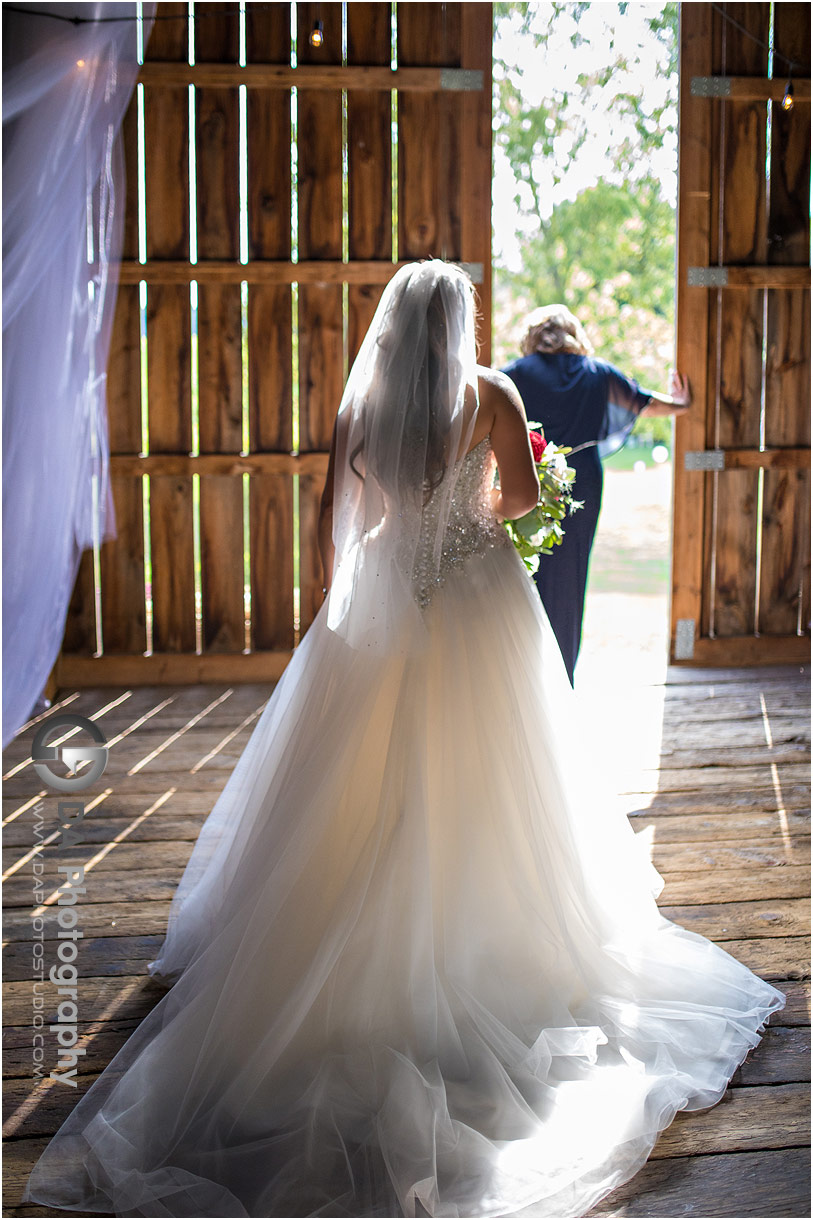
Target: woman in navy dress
(590, 405)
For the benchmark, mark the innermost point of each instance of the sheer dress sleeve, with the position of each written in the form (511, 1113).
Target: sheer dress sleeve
(625, 401)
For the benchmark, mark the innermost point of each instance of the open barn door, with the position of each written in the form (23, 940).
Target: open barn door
(741, 558)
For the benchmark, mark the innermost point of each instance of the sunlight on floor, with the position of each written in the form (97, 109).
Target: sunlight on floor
(47, 1085)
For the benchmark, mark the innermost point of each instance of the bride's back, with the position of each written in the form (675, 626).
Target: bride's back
(471, 528)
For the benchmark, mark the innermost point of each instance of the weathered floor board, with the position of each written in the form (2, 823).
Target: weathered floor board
(717, 782)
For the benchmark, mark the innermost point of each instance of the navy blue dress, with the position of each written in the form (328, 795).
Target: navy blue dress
(579, 401)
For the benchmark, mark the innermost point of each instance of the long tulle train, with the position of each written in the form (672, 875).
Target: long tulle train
(420, 968)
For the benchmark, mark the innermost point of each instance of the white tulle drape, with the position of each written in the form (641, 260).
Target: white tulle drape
(65, 90)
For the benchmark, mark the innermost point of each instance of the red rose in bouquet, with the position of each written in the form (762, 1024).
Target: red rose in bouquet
(540, 530)
(538, 444)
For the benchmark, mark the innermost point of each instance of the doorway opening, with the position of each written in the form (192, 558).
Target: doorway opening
(584, 213)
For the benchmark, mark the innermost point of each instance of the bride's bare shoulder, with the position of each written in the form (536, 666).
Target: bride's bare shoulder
(497, 391)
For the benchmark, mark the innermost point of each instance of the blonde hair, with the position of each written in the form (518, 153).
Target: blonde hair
(553, 328)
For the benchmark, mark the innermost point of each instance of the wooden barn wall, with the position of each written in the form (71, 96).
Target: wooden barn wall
(227, 363)
(741, 561)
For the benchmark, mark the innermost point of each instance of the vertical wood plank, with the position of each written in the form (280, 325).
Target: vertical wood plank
(124, 364)
(79, 636)
(744, 240)
(271, 515)
(169, 39)
(221, 563)
(785, 551)
(785, 569)
(320, 232)
(787, 418)
(218, 231)
(268, 40)
(804, 534)
(124, 617)
(692, 308)
(706, 484)
(429, 170)
(124, 373)
(220, 372)
(310, 563)
(172, 560)
(319, 142)
(369, 140)
(166, 119)
(475, 160)
(128, 136)
(121, 558)
(166, 113)
(789, 214)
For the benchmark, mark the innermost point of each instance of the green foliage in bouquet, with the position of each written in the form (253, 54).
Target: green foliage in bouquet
(540, 530)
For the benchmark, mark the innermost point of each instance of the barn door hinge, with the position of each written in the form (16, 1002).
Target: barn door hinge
(461, 80)
(704, 459)
(708, 277)
(684, 639)
(711, 86)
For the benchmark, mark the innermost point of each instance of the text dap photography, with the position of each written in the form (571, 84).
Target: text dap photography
(406, 609)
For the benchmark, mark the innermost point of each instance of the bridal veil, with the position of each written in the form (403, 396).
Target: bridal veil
(403, 428)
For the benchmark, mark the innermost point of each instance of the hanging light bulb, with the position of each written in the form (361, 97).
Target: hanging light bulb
(80, 63)
(317, 34)
(787, 100)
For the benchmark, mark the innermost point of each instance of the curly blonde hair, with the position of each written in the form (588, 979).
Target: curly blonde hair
(553, 328)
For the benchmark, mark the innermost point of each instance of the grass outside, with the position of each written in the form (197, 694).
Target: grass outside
(630, 454)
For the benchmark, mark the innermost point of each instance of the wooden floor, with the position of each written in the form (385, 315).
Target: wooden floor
(718, 777)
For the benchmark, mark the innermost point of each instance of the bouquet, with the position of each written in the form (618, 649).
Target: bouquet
(540, 530)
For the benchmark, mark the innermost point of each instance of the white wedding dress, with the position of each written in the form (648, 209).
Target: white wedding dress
(420, 968)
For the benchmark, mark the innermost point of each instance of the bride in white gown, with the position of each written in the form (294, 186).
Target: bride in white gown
(417, 964)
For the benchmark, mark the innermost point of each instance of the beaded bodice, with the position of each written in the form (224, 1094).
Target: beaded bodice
(471, 529)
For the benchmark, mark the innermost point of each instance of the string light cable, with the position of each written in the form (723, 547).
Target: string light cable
(316, 36)
(317, 31)
(208, 11)
(787, 99)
